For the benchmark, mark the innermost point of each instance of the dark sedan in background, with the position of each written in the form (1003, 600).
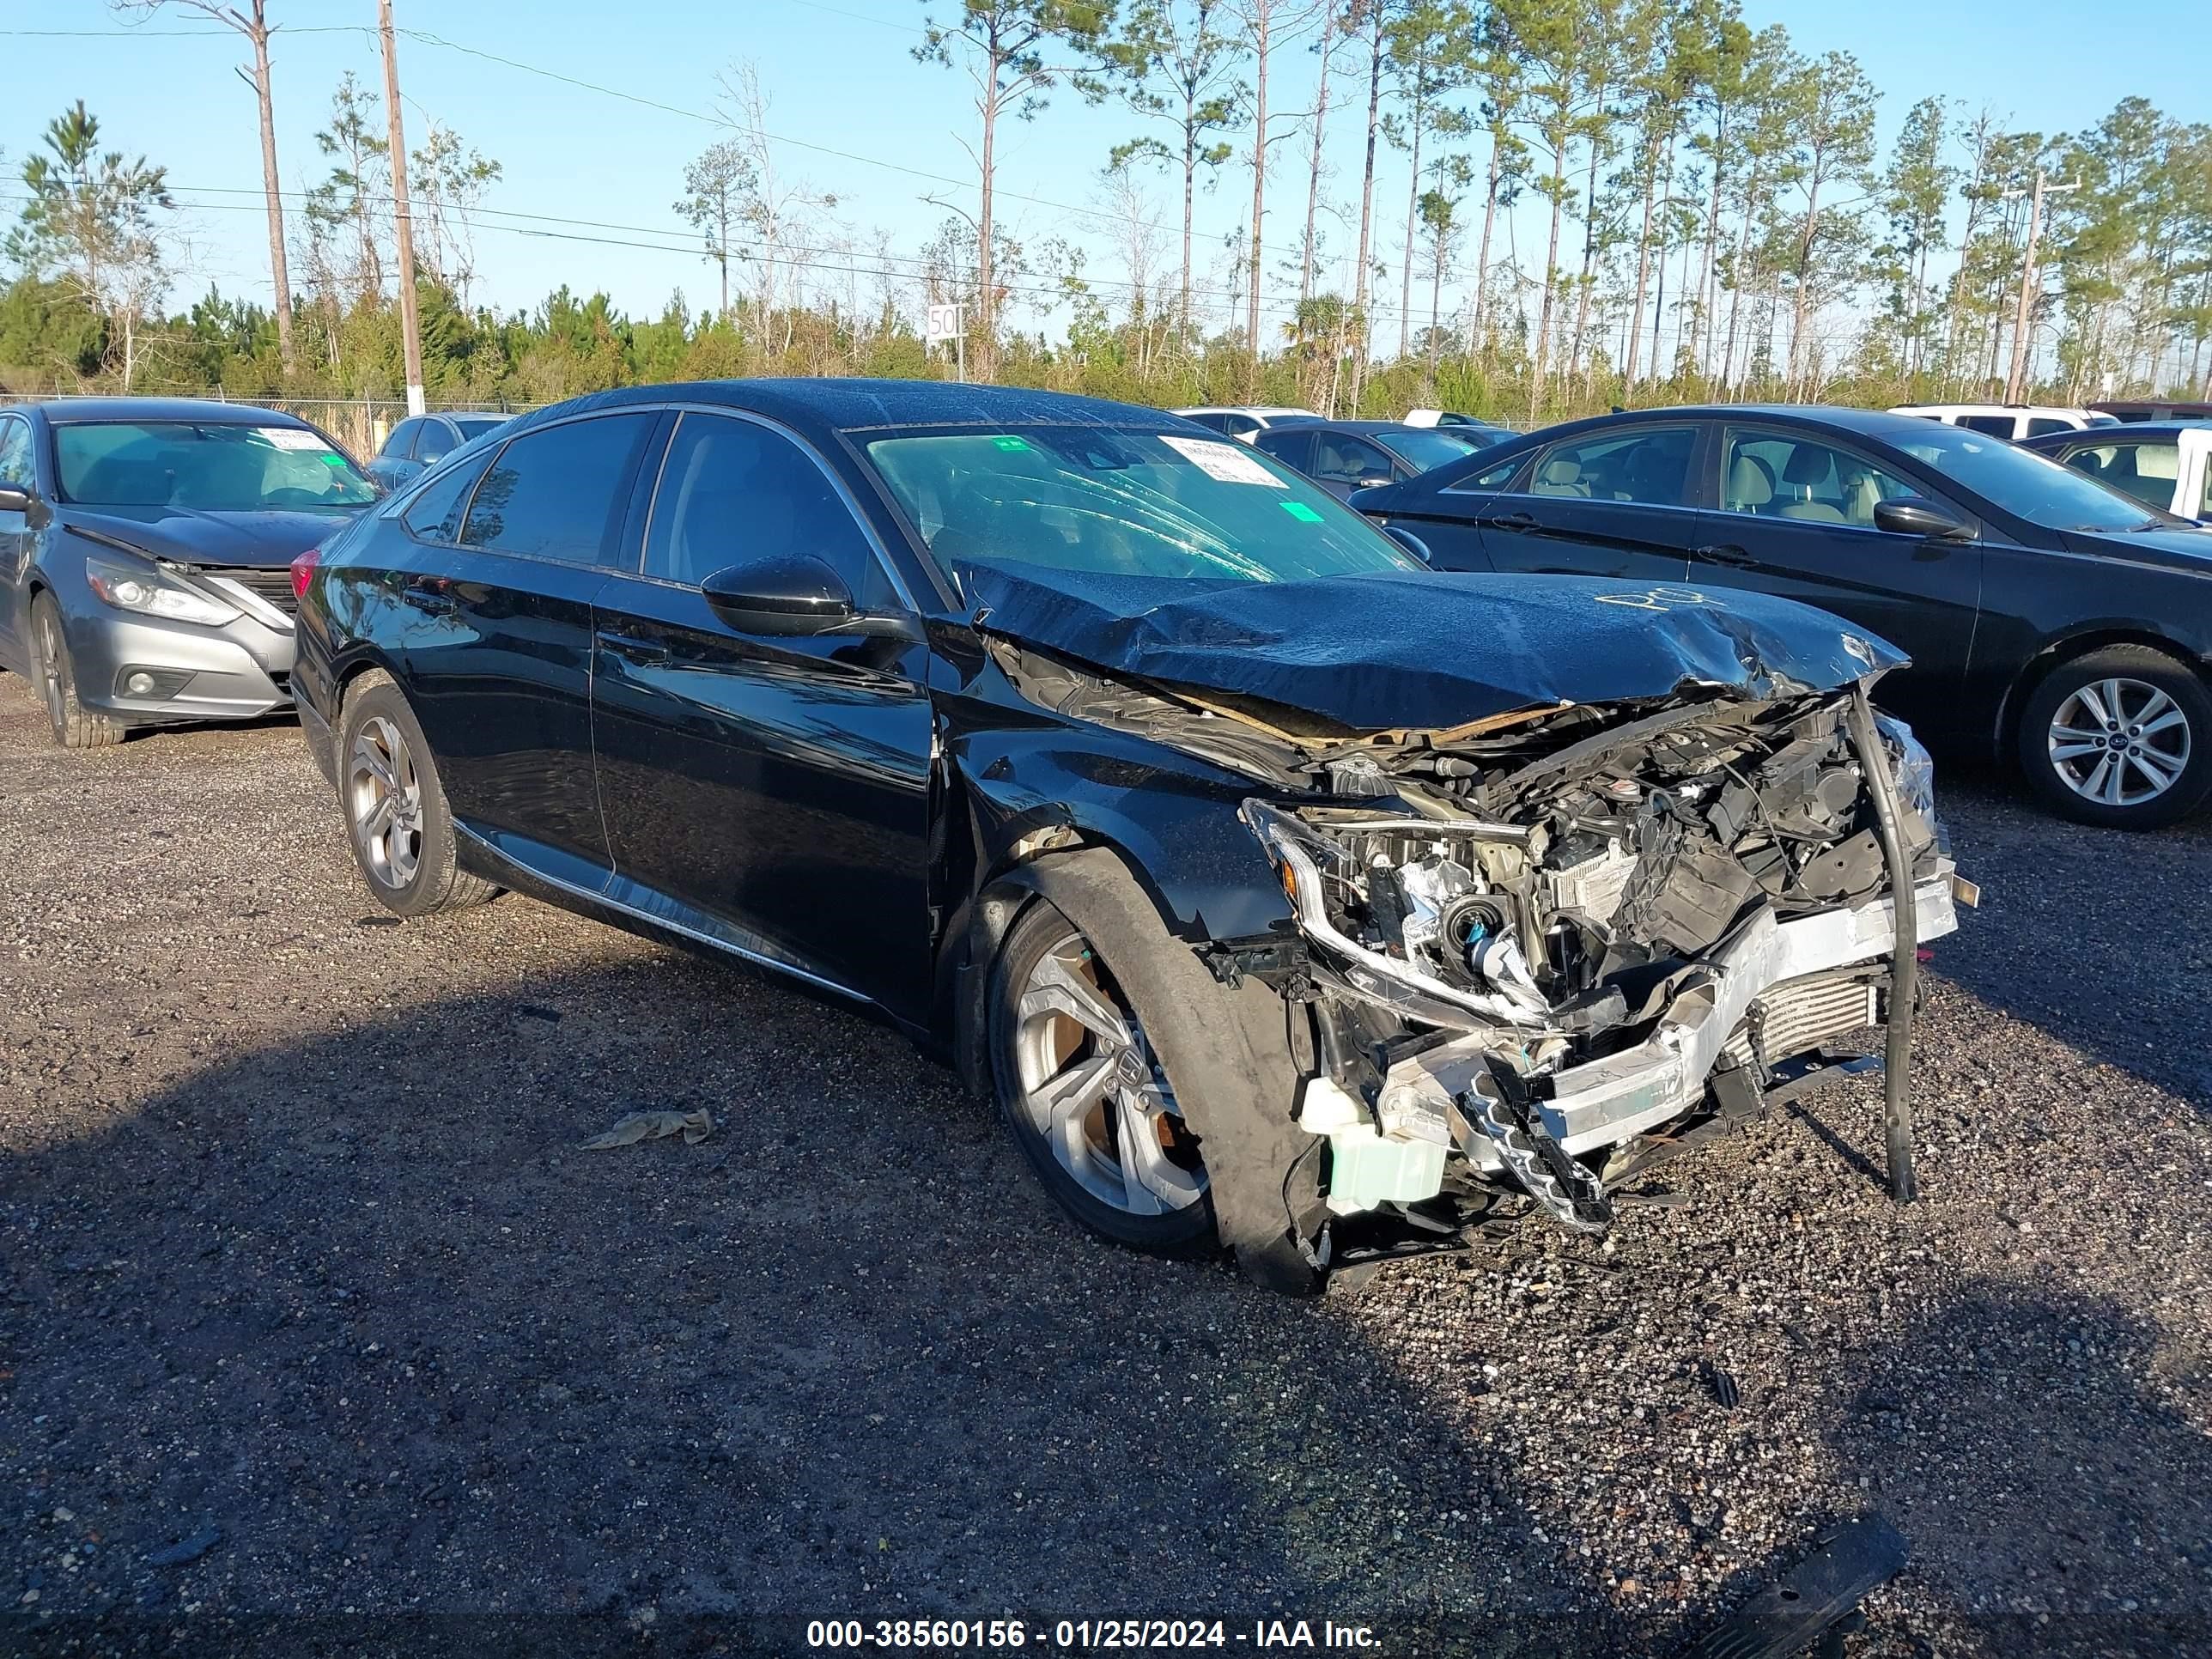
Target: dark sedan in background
(1342, 456)
(2048, 617)
(144, 553)
(2163, 463)
(424, 440)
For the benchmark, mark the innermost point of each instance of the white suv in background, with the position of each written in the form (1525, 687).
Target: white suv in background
(1242, 419)
(2013, 420)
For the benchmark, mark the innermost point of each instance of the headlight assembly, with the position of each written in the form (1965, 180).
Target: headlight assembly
(142, 589)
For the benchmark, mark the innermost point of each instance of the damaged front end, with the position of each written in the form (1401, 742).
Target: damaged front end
(1543, 949)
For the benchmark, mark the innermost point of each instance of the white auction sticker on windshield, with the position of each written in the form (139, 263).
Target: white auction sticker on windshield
(291, 437)
(1230, 463)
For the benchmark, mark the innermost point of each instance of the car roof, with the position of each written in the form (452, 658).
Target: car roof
(2123, 433)
(207, 411)
(1356, 426)
(1869, 422)
(855, 404)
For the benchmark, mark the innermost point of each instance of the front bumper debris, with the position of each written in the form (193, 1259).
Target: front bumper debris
(1613, 1099)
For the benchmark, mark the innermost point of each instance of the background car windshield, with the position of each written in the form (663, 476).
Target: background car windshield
(216, 466)
(1425, 448)
(1124, 502)
(2032, 486)
(476, 426)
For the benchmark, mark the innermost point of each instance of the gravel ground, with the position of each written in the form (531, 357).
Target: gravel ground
(297, 1253)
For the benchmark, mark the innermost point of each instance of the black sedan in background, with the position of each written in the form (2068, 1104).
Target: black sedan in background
(2048, 617)
(418, 444)
(1342, 456)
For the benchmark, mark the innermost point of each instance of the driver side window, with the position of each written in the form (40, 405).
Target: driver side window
(732, 492)
(1773, 476)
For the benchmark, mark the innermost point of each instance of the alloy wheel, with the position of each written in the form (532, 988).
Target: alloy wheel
(52, 656)
(2119, 742)
(1093, 1092)
(385, 799)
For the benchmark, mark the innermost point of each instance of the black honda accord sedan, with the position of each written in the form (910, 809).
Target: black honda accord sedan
(1280, 891)
(2050, 620)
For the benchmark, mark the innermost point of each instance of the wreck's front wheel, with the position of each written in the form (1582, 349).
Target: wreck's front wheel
(1085, 1095)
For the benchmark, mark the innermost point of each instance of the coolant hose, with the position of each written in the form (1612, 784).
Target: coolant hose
(1904, 953)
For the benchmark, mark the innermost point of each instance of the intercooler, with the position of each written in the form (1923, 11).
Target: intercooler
(1803, 1013)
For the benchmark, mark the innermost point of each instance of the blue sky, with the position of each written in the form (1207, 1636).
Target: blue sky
(841, 77)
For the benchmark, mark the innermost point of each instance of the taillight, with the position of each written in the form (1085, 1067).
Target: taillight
(303, 571)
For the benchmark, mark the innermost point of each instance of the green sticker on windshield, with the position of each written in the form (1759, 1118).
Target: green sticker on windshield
(1010, 443)
(334, 461)
(1300, 512)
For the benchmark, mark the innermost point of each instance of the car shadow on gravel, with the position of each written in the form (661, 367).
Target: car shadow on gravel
(2101, 938)
(350, 1321)
(2045, 1453)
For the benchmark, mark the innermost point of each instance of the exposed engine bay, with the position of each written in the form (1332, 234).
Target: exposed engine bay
(1535, 949)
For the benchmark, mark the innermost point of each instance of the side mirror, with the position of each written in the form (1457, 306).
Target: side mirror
(14, 500)
(1413, 544)
(781, 595)
(1916, 515)
(1368, 480)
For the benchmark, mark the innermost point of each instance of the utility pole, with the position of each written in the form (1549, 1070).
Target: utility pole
(410, 324)
(2016, 383)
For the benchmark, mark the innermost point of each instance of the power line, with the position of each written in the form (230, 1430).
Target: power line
(1097, 215)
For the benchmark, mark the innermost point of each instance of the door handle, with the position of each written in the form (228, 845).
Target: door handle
(631, 648)
(1722, 553)
(432, 594)
(1512, 521)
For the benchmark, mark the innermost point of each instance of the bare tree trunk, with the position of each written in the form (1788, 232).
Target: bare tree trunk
(279, 269)
(1263, 21)
(1736, 296)
(1313, 173)
(1367, 212)
(986, 330)
(1551, 272)
(1482, 253)
(1189, 192)
(1643, 265)
(1590, 245)
(1436, 293)
(1413, 216)
(1701, 333)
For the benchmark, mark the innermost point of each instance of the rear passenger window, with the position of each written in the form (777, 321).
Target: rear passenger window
(400, 444)
(733, 492)
(435, 515)
(2042, 424)
(559, 493)
(1993, 426)
(436, 443)
(1292, 447)
(1650, 467)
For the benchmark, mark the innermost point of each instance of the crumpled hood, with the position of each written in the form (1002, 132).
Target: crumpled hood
(1423, 649)
(189, 536)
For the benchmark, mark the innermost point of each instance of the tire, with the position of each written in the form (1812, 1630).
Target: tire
(397, 819)
(2150, 706)
(53, 676)
(1051, 1002)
